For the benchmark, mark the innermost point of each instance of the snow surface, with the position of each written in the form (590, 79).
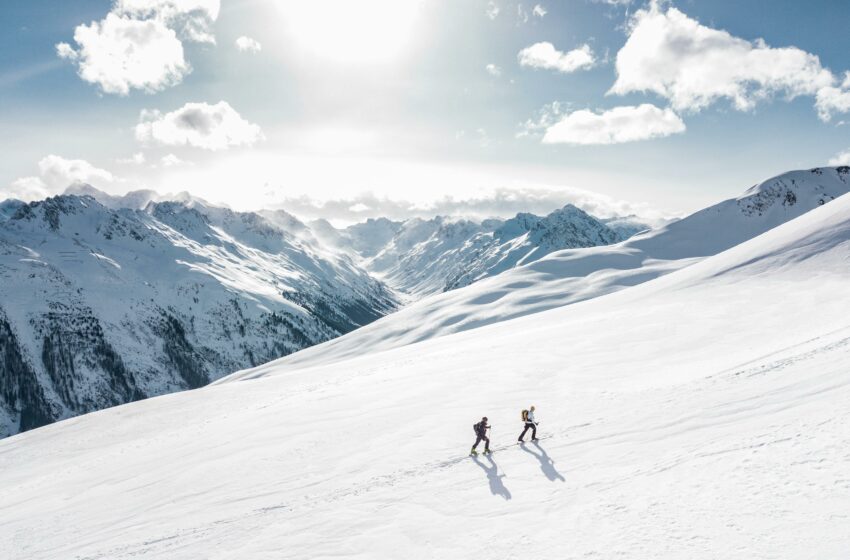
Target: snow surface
(699, 415)
(571, 276)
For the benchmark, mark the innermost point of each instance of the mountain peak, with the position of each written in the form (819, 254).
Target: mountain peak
(808, 188)
(54, 208)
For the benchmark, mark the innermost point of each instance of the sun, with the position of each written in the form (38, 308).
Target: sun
(352, 31)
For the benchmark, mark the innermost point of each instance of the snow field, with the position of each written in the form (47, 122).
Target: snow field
(700, 415)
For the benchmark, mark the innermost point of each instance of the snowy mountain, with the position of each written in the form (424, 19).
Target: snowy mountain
(8, 208)
(422, 257)
(419, 257)
(571, 276)
(699, 415)
(104, 305)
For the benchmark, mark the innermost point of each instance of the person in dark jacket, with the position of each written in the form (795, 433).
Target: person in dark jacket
(481, 435)
(529, 423)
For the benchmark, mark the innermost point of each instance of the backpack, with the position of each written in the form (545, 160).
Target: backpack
(475, 428)
(525, 416)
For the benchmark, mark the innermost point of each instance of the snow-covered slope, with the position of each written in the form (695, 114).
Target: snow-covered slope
(701, 415)
(101, 306)
(431, 256)
(570, 276)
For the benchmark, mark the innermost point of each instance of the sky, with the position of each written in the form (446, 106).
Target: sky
(348, 109)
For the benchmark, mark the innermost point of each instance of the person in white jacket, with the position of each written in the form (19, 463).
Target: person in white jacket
(530, 423)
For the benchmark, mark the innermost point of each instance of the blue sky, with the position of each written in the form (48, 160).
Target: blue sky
(391, 106)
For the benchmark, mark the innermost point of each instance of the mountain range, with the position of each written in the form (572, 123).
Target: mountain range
(575, 275)
(424, 257)
(105, 299)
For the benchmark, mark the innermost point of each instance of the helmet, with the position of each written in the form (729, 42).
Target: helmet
(485, 418)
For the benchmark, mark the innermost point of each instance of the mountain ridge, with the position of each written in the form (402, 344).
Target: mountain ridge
(101, 306)
(575, 275)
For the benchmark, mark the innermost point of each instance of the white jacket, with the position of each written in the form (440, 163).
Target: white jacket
(530, 417)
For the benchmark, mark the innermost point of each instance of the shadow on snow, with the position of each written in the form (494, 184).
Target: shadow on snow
(547, 465)
(497, 487)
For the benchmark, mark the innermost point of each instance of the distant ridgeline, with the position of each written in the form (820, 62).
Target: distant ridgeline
(106, 300)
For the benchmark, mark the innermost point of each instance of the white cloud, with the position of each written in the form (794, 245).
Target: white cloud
(192, 18)
(493, 70)
(539, 11)
(547, 116)
(120, 54)
(139, 44)
(694, 66)
(492, 10)
(211, 127)
(358, 208)
(171, 160)
(26, 189)
(136, 159)
(545, 55)
(842, 158)
(615, 126)
(247, 44)
(55, 175)
(66, 51)
(832, 100)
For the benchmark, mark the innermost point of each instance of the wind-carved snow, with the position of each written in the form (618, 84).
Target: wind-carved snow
(698, 415)
(104, 258)
(571, 276)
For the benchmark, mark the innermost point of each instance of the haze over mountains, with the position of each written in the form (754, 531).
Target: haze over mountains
(702, 414)
(107, 299)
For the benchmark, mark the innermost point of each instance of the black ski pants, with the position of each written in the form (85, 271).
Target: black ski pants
(533, 427)
(481, 438)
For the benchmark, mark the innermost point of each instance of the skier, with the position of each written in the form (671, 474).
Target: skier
(481, 435)
(528, 418)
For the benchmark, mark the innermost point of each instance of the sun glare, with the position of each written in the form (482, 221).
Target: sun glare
(352, 31)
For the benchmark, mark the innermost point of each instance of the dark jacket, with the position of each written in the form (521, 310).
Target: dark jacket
(481, 428)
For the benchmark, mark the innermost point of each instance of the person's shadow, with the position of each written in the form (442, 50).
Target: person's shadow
(497, 487)
(547, 465)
